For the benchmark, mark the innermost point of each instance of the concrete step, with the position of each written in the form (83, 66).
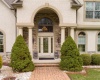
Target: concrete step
(46, 65)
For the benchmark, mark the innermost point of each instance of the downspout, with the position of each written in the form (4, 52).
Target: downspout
(15, 14)
(76, 16)
(15, 21)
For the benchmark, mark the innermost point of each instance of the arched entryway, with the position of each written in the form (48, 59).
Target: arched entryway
(46, 33)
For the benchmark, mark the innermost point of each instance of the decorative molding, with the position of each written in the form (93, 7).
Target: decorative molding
(68, 25)
(88, 26)
(49, 7)
(25, 25)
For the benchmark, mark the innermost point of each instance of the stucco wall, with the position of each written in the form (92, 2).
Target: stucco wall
(7, 25)
(30, 6)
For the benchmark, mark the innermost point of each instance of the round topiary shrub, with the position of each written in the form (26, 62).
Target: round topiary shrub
(95, 59)
(0, 62)
(86, 59)
(20, 56)
(70, 56)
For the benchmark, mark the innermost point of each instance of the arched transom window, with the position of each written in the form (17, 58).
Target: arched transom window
(81, 41)
(98, 44)
(1, 42)
(45, 25)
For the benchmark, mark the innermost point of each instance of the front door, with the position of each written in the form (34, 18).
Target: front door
(45, 46)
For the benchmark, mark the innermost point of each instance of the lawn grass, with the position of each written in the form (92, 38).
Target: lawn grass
(92, 74)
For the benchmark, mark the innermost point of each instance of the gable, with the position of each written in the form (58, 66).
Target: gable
(8, 3)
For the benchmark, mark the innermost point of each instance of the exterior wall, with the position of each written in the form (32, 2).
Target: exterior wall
(7, 25)
(82, 20)
(91, 40)
(30, 6)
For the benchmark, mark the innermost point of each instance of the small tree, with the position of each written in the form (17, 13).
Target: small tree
(70, 56)
(20, 56)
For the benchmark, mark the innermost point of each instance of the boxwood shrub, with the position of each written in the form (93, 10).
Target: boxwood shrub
(95, 59)
(86, 59)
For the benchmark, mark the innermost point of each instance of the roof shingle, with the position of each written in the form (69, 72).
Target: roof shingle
(9, 2)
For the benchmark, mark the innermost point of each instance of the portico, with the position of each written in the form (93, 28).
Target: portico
(46, 34)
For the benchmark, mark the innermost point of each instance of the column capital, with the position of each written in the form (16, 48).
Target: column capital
(62, 27)
(29, 27)
(72, 27)
(20, 27)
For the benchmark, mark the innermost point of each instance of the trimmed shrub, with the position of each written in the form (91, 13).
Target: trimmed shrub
(20, 56)
(86, 59)
(95, 59)
(0, 62)
(70, 56)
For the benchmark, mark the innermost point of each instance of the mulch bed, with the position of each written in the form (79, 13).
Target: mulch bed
(9, 78)
(6, 64)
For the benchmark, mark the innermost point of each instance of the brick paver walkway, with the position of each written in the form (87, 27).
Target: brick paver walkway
(48, 73)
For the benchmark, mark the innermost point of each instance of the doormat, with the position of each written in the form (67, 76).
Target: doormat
(46, 58)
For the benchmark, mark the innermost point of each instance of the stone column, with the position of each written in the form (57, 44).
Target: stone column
(30, 40)
(62, 35)
(20, 31)
(72, 32)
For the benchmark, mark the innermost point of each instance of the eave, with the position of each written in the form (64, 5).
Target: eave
(75, 4)
(17, 4)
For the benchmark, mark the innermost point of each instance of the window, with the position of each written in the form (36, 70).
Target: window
(45, 25)
(1, 42)
(98, 45)
(93, 10)
(81, 41)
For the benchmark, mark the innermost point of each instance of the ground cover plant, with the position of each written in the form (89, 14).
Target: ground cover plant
(92, 74)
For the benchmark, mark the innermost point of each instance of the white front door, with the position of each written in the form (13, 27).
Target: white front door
(45, 46)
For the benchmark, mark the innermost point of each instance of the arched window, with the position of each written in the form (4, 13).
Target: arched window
(1, 42)
(45, 25)
(81, 41)
(98, 44)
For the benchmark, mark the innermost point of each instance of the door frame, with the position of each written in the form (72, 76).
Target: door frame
(45, 55)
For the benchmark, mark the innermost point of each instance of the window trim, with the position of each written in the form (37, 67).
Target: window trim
(87, 19)
(4, 43)
(97, 42)
(86, 43)
(82, 44)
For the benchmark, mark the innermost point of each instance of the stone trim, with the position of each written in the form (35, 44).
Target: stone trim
(68, 25)
(79, 26)
(25, 25)
(47, 5)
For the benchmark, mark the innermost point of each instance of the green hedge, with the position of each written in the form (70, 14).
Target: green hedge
(95, 59)
(86, 59)
(0, 61)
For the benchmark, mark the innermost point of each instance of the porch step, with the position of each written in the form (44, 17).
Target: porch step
(46, 65)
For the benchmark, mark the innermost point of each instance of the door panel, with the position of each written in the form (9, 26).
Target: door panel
(45, 45)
